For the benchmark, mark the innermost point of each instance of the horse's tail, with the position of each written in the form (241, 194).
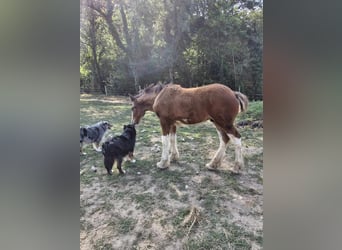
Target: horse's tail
(243, 100)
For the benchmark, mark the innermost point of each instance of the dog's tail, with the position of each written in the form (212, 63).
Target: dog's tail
(243, 101)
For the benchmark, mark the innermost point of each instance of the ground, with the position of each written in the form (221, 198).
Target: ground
(183, 207)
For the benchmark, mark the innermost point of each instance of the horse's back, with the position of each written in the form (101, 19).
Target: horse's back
(193, 105)
(221, 100)
(214, 95)
(216, 89)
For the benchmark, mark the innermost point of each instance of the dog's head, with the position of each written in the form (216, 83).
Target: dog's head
(106, 125)
(130, 128)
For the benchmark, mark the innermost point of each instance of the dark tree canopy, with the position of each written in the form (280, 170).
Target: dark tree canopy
(128, 44)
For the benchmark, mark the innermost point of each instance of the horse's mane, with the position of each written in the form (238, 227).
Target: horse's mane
(152, 88)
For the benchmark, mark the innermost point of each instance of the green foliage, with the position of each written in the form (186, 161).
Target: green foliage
(85, 75)
(254, 112)
(188, 41)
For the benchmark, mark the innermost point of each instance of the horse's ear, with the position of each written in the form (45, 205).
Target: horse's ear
(159, 87)
(132, 97)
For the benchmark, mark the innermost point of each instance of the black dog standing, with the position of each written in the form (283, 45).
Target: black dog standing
(118, 147)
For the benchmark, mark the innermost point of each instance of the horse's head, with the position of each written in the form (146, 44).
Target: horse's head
(143, 101)
(138, 109)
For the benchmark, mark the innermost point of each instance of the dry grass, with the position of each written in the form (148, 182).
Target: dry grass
(183, 207)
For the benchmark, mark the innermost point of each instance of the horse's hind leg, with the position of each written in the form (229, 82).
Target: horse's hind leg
(235, 136)
(165, 159)
(219, 155)
(174, 156)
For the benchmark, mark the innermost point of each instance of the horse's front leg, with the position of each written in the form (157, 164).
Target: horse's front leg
(174, 156)
(165, 159)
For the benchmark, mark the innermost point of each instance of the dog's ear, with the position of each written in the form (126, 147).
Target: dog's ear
(124, 127)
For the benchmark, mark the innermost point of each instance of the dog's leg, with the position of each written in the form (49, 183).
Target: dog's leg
(81, 149)
(108, 162)
(96, 146)
(131, 157)
(119, 162)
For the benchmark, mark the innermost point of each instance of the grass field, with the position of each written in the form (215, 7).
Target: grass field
(183, 207)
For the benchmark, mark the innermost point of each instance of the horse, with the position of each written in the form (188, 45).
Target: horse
(176, 105)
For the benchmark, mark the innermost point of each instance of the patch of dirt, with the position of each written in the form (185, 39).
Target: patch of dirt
(154, 228)
(145, 208)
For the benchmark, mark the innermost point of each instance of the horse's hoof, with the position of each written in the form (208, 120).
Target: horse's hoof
(162, 165)
(237, 167)
(234, 173)
(174, 160)
(211, 167)
(174, 157)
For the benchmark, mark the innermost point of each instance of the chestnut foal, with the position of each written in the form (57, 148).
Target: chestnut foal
(174, 104)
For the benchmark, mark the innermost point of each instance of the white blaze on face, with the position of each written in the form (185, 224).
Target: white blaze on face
(132, 121)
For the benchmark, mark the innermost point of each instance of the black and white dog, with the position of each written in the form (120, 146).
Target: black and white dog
(94, 134)
(118, 147)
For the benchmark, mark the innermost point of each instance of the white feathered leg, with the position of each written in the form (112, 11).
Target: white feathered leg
(174, 156)
(217, 159)
(239, 162)
(165, 160)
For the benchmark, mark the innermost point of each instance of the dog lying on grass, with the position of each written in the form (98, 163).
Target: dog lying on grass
(115, 149)
(93, 134)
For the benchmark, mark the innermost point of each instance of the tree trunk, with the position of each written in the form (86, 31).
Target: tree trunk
(97, 76)
(235, 72)
(135, 75)
(221, 69)
(171, 74)
(128, 49)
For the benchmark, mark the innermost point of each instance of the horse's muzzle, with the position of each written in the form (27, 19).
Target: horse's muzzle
(133, 122)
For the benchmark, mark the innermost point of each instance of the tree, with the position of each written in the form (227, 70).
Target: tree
(129, 39)
(131, 43)
(94, 44)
